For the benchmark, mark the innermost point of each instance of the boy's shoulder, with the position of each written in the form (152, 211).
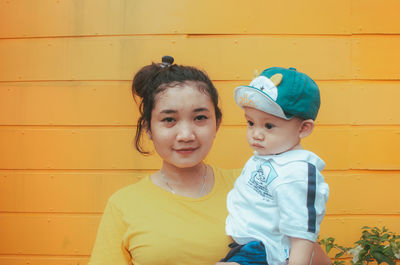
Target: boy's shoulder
(291, 165)
(290, 157)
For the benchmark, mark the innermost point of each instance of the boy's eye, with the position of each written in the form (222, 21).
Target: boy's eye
(250, 123)
(269, 126)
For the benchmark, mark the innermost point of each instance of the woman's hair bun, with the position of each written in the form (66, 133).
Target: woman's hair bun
(148, 78)
(167, 59)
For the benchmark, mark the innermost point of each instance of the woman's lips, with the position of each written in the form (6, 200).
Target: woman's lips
(187, 150)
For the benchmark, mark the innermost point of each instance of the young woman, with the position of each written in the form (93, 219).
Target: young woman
(176, 215)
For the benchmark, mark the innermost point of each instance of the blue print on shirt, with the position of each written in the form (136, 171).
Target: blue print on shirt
(260, 179)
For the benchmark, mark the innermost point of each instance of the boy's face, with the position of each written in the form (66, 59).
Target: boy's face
(269, 135)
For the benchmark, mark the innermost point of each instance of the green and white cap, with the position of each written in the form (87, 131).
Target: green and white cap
(281, 92)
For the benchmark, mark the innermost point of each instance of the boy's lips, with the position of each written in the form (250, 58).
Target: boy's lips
(256, 145)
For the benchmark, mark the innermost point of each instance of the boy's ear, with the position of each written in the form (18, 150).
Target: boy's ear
(306, 128)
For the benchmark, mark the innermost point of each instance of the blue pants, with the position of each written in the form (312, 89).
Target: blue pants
(253, 253)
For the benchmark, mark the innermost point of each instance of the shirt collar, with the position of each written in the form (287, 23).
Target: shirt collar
(295, 155)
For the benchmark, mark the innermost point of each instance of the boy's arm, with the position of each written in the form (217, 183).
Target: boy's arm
(301, 251)
(300, 217)
(320, 257)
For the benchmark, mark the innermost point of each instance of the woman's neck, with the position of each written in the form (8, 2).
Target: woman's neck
(194, 182)
(183, 175)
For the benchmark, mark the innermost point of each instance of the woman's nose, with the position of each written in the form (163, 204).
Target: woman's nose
(185, 132)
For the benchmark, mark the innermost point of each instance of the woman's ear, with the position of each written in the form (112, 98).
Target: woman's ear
(218, 123)
(306, 128)
(148, 131)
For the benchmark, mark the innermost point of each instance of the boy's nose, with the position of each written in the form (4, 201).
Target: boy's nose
(258, 135)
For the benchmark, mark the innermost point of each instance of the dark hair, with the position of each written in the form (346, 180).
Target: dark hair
(156, 77)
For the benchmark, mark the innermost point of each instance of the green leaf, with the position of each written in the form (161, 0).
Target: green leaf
(380, 257)
(328, 248)
(338, 262)
(377, 244)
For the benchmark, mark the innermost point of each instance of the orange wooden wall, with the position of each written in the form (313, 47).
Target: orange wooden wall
(67, 119)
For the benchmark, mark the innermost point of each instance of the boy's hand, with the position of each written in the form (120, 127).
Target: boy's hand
(301, 251)
(320, 257)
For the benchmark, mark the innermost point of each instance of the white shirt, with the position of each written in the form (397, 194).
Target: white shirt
(277, 197)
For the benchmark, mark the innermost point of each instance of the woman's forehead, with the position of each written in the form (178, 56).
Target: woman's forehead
(183, 95)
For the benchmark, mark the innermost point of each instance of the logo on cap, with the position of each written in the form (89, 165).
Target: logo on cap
(243, 101)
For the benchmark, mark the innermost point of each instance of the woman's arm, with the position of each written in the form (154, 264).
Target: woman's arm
(108, 248)
(319, 258)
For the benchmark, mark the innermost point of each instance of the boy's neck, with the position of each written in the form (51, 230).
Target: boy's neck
(296, 147)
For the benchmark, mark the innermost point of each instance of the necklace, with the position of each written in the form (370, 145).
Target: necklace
(164, 178)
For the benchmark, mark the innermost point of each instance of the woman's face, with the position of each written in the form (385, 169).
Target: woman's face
(183, 125)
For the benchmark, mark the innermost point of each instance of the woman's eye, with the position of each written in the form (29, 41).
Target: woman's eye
(250, 123)
(201, 117)
(168, 120)
(269, 126)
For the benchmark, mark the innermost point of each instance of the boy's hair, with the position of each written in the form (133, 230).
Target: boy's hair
(282, 92)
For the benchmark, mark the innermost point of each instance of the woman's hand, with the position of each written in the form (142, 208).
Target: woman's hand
(320, 258)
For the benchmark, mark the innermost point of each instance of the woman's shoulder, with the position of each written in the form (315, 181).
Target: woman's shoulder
(227, 175)
(227, 172)
(131, 191)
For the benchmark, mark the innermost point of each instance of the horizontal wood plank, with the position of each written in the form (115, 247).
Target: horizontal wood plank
(347, 229)
(224, 57)
(111, 103)
(74, 235)
(42, 260)
(375, 57)
(61, 192)
(373, 148)
(77, 18)
(87, 192)
(366, 13)
(84, 58)
(126, 17)
(67, 103)
(107, 148)
(60, 148)
(353, 103)
(47, 234)
(363, 192)
(342, 102)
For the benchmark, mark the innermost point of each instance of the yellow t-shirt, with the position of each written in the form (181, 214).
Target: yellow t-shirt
(146, 225)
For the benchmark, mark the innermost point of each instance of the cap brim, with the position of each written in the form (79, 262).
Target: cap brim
(248, 96)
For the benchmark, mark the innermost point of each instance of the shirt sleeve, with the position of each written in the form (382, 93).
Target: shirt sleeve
(109, 247)
(300, 207)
